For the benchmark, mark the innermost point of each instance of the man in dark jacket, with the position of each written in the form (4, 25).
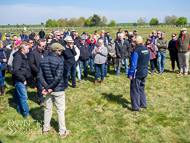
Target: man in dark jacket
(24, 36)
(138, 73)
(84, 56)
(57, 38)
(32, 35)
(0, 35)
(6, 42)
(76, 38)
(42, 34)
(122, 48)
(34, 60)
(21, 73)
(50, 75)
(69, 62)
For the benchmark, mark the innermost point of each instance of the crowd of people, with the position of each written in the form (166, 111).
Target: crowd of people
(47, 61)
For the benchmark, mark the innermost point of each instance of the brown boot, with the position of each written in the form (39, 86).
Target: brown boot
(95, 82)
(102, 82)
(1, 92)
(3, 89)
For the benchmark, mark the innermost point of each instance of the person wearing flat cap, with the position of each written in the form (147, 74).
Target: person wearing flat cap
(183, 46)
(84, 56)
(69, 62)
(138, 73)
(50, 75)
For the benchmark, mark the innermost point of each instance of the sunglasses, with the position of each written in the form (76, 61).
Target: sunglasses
(58, 35)
(61, 34)
(31, 42)
(173, 36)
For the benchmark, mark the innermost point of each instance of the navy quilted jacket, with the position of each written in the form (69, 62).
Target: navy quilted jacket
(50, 72)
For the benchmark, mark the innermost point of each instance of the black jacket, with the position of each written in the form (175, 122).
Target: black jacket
(50, 72)
(84, 52)
(77, 40)
(42, 34)
(122, 51)
(21, 69)
(32, 36)
(55, 41)
(34, 59)
(4, 65)
(69, 56)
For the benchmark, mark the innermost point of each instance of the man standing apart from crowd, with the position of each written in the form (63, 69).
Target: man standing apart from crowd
(138, 73)
(162, 44)
(183, 45)
(50, 74)
(42, 34)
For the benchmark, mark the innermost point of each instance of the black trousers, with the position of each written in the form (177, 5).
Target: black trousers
(137, 93)
(173, 58)
(39, 91)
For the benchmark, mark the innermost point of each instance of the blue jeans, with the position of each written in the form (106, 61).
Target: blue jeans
(2, 79)
(105, 70)
(20, 98)
(67, 70)
(91, 64)
(85, 64)
(152, 64)
(126, 66)
(98, 68)
(161, 61)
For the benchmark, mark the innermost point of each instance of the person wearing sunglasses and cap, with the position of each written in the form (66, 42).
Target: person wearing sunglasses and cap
(34, 60)
(183, 46)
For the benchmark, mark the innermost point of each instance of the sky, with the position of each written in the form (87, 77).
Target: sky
(122, 11)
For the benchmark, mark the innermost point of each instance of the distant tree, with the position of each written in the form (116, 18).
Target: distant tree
(72, 22)
(104, 21)
(170, 19)
(112, 23)
(87, 22)
(181, 21)
(129, 24)
(134, 24)
(141, 21)
(62, 22)
(17, 25)
(55, 23)
(49, 23)
(95, 21)
(154, 21)
(80, 22)
(42, 24)
(8, 24)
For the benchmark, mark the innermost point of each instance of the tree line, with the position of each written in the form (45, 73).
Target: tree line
(97, 21)
(92, 21)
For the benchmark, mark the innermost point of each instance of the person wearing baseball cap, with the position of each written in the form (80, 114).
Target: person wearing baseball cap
(7, 41)
(50, 75)
(138, 73)
(135, 32)
(183, 46)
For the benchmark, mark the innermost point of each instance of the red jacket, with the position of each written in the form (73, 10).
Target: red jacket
(88, 41)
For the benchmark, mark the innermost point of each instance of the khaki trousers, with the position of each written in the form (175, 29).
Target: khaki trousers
(59, 99)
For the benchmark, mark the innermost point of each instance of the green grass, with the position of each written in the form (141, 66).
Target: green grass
(102, 113)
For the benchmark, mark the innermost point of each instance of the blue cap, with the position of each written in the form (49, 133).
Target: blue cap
(135, 30)
(110, 38)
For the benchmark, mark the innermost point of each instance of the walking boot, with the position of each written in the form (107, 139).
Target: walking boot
(95, 82)
(3, 89)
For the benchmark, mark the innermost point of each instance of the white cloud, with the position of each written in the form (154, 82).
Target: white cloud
(35, 14)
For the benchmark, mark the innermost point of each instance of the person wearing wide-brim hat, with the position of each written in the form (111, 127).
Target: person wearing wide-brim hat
(137, 74)
(50, 75)
(69, 62)
(183, 46)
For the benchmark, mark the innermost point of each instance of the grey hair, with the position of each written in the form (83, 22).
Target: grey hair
(163, 33)
(22, 46)
(1, 42)
(120, 34)
(100, 40)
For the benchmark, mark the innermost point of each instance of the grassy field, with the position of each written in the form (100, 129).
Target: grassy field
(102, 113)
